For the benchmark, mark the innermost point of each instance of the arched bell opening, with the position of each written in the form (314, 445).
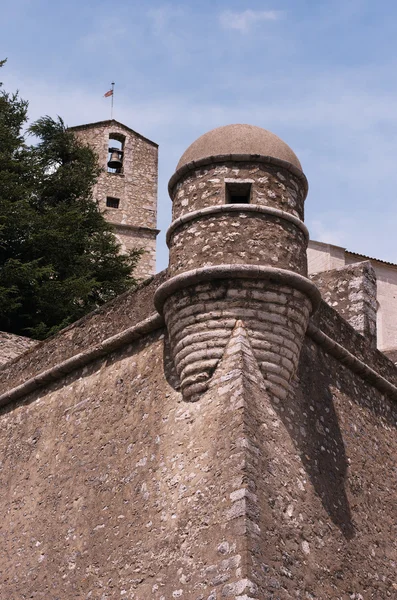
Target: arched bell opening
(115, 153)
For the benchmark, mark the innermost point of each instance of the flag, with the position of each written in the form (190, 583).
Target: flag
(109, 93)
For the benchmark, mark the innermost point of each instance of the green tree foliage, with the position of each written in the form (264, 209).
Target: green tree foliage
(58, 257)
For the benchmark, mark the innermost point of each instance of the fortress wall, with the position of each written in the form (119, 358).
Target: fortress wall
(124, 311)
(12, 346)
(276, 483)
(328, 461)
(200, 320)
(329, 322)
(132, 308)
(325, 257)
(112, 486)
(351, 291)
(386, 278)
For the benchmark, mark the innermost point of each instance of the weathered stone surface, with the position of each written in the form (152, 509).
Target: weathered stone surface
(128, 309)
(12, 346)
(333, 325)
(325, 257)
(279, 483)
(136, 188)
(268, 238)
(255, 239)
(200, 319)
(111, 485)
(351, 291)
(239, 139)
(206, 187)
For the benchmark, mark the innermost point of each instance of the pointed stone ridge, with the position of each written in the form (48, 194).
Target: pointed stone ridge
(239, 386)
(238, 362)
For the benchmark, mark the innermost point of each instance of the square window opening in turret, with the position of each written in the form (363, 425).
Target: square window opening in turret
(238, 192)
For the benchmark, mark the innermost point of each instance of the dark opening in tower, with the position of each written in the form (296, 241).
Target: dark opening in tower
(115, 153)
(112, 202)
(238, 193)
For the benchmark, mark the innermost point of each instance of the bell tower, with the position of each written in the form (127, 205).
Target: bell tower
(126, 190)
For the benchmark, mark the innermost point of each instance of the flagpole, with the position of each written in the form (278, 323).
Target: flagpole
(111, 110)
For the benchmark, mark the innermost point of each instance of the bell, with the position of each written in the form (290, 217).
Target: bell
(115, 161)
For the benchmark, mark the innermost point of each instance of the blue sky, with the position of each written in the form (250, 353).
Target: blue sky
(321, 75)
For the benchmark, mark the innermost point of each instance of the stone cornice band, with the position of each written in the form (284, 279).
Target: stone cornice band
(203, 274)
(248, 158)
(77, 361)
(227, 208)
(142, 228)
(155, 322)
(352, 362)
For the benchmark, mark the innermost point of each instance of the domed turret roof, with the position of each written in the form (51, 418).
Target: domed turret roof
(239, 139)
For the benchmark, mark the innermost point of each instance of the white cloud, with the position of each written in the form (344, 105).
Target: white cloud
(243, 21)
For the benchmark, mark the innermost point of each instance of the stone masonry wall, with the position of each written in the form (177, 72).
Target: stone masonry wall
(324, 257)
(110, 319)
(200, 319)
(12, 346)
(386, 282)
(268, 231)
(205, 187)
(112, 487)
(136, 238)
(323, 501)
(135, 187)
(255, 239)
(351, 291)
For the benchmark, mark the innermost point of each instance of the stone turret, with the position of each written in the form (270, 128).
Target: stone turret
(237, 252)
